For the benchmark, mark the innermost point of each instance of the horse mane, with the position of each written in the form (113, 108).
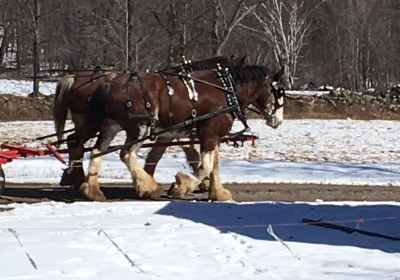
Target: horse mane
(249, 73)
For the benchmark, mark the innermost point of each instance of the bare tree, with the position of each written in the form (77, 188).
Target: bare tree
(7, 27)
(33, 15)
(284, 27)
(346, 44)
(224, 21)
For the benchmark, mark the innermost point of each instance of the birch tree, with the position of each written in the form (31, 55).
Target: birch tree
(284, 27)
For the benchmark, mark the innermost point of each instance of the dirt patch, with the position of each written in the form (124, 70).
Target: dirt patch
(240, 192)
(329, 108)
(16, 108)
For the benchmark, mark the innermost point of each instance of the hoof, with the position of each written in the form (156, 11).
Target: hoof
(149, 192)
(177, 191)
(74, 178)
(184, 184)
(220, 195)
(92, 193)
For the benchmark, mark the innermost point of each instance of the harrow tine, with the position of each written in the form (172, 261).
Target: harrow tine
(55, 152)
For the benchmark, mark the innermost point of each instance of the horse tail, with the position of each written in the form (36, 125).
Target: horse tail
(60, 108)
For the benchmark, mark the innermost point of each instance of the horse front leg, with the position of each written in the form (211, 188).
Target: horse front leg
(209, 167)
(145, 185)
(217, 192)
(90, 189)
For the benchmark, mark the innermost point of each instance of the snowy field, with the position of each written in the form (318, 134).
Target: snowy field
(196, 240)
(24, 87)
(200, 240)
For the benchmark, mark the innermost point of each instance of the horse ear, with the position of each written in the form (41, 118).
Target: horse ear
(238, 61)
(242, 60)
(278, 76)
(268, 78)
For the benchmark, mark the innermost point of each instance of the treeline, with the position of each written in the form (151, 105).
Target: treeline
(349, 43)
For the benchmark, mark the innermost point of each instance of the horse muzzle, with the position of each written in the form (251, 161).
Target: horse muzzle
(272, 119)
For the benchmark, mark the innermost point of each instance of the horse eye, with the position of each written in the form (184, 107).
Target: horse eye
(281, 92)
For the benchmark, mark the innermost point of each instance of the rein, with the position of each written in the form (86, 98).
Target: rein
(87, 82)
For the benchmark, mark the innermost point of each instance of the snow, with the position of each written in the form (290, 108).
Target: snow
(298, 93)
(195, 240)
(25, 87)
(203, 240)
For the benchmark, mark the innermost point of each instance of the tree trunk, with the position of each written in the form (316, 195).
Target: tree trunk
(18, 51)
(4, 44)
(35, 92)
(214, 28)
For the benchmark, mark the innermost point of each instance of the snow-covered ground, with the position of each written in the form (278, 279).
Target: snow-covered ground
(25, 87)
(195, 240)
(199, 240)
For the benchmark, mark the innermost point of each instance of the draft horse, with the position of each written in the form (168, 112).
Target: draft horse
(73, 94)
(141, 105)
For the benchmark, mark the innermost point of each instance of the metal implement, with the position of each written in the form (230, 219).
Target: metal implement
(10, 152)
(2, 180)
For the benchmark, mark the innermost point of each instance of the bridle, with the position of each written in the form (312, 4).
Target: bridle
(278, 93)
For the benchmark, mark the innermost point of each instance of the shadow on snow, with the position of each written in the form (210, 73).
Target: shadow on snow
(251, 220)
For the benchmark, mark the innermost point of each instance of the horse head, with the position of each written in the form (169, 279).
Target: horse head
(263, 91)
(273, 112)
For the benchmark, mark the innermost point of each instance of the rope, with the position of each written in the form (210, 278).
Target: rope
(220, 227)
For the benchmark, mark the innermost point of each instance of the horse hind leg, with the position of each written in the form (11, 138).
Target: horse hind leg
(193, 158)
(155, 154)
(74, 174)
(91, 188)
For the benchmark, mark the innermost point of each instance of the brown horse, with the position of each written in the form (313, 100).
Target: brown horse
(141, 104)
(73, 93)
(192, 156)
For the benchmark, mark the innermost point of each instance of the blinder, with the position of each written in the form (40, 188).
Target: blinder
(279, 93)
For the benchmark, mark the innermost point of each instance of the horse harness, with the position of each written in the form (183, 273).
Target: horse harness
(228, 87)
(148, 104)
(184, 73)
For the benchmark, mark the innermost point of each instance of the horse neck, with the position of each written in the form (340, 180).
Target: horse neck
(246, 92)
